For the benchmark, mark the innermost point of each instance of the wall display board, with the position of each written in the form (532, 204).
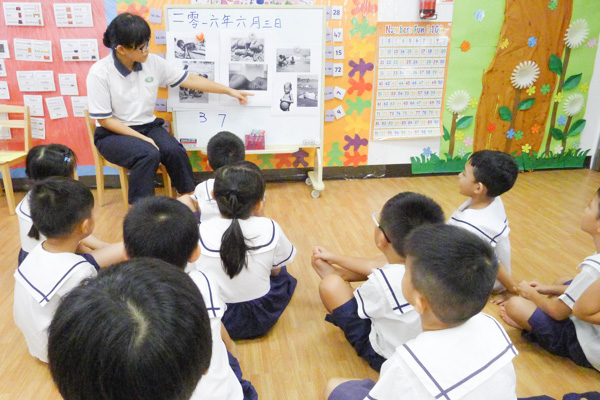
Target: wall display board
(275, 53)
(411, 79)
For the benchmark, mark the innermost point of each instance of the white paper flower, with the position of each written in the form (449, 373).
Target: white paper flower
(574, 104)
(525, 74)
(458, 101)
(577, 33)
(558, 149)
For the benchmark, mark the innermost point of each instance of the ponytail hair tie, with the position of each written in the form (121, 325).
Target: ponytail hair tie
(67, 159)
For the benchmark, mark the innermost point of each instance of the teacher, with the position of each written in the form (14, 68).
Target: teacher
(122, 91)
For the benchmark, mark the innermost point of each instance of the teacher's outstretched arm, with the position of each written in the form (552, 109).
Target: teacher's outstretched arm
(202, 84)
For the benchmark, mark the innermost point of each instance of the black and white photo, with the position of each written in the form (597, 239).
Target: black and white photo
(292, 60)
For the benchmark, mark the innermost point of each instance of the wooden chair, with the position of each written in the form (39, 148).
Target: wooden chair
(100, 162)
(12, 157)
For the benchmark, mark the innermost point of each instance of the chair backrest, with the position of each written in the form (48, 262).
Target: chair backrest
(91, 127)
(24, 123)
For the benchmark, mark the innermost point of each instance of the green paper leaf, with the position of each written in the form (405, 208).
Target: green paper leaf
(577, 127)
(446, 134)
(464, 122)
(572, 82)
(555, 64)
(557, 134)
(505, 114)
(526, 104)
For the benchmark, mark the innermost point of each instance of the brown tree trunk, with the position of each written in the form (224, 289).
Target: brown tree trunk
(561, 81)
(452, 135)
(567, 126)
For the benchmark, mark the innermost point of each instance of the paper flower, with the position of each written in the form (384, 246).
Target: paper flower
(576, 144)
(459, 135)
(458, 101)
(584, 87)
(531, 90)
(427, 152)
(510, 133)
(465, 46)
(473, 102)
(557, 98)
(561, 120)
(558, 149)
(526, 148)
(504, 44)
(545, 88)
(532, 41)
(468, 141)
(491, 128)
(462, 151)
(593, 42)
(574, 104)
(519, 135)
(525, 74)
(479, 15)
(553, 4)
(577, 33)
(535, 128)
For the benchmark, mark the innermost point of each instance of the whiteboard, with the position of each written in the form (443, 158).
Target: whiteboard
(276, 53)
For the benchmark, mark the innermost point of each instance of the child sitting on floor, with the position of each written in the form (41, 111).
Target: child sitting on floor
(544, 311)
(376, 318)
(486, 176)
(246, 253)
(139, 330)
(62, 211)
(163, 228)
(462, 353)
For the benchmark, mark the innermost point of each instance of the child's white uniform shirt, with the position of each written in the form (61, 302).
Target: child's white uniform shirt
(472, 361)
(490, 223)
(393, 320)
(42, 280)
(588, 335)
(274, 251)
(24, 215)
(206, 203)
(219, 382)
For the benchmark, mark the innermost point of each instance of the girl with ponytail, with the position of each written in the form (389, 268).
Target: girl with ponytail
(246, 253)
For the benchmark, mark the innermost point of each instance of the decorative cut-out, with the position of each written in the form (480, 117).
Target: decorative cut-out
(473, 102)
(504, 44)
(519, 135)
(465, 46)
(510, 133)
(355, 142)
(557, 98)
(359, 105)
(361, 48)
(363, 28)
(335, 155)
(266, 161)
(530, 90)
(300, 156)
(356, 124)
(359, 86)
(526, 148)
(491, 128)
(561, 120)
(364, 7)
(468, 141)
(362, 67)
(584, 87)
(558, 149)
(532, 41)
(593, 42)
(427, 152)
(545, 89)
(553, 4)
(535, 128)
(354, 159)
(479, 15)
(283, 160)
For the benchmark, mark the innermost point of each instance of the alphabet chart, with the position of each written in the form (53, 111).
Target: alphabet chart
(411, 79)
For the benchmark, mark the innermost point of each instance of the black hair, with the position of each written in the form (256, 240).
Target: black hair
(163, 228)
(139, 330)
(403, 213)
(498, 171)
(453, 269)
(128, 30)
(48, 160)
(238, 189)
(224, 148)
(58, 205)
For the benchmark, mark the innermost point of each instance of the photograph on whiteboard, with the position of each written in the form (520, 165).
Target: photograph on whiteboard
(205, 69)
(249, 48)
(248, 76)
(189, 47)
(293, 60)
(308, 91)
(284, 102)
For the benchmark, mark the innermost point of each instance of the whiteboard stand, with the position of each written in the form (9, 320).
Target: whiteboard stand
(315, 177)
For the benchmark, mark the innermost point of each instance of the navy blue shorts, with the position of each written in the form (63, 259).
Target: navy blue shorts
(247, 388)
(356, 331)
(352, 390)
(558, 337)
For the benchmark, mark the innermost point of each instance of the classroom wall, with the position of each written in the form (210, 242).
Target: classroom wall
(346, 140)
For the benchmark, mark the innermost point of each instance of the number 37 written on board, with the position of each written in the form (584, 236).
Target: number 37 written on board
(204, 118)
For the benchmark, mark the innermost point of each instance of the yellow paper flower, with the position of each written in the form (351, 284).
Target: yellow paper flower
(577, 33)
(504, 44)
(525, 74)
(459, 136)
(557, 97)
(473, 102)
(458, 101)
(531, 90)
(584, 87)
(526, 148)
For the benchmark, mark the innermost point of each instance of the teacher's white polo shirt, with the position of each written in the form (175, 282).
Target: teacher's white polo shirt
(129, 96)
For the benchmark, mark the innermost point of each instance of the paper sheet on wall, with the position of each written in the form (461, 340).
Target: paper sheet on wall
(4, 93)
(4, 132)
(2, 68)
(73, 15)
(4, 50)
(36, 81)
(23, 14)
(79, 49)
(38, 128)
(56, 107)
(79, 104)
(33, 50)
(35, 103)
(68, 84)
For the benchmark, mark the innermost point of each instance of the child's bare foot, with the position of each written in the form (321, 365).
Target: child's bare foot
(501, 298)
(507, 319)
(322, 268)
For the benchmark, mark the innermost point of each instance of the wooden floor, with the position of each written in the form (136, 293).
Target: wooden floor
(302, 351)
